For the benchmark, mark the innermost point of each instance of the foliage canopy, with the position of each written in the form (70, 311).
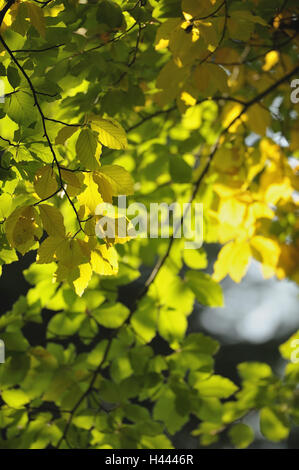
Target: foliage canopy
(161, 101)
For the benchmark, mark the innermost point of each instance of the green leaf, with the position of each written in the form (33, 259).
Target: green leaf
(15, 398)
(20, 109)
(179, 170)
(290, 347)
(5, 205)
(165, 411)
(63, 324)
(13, 76)
(110, 133)
(215, 386)
(254, 371)
(207, 291)
(111, 316)
(14, 341)
(241, 435)
(172, 325)
(65, 133)
(144, 320)
(110, 13)
(273, 425)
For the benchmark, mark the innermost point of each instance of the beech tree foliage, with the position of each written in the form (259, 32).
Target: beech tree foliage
(161, 101)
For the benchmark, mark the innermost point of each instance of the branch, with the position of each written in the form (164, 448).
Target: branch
(5, 10)
(211, 14)
(43, 118)
(38, 50)
(86, 393)
(222, 35)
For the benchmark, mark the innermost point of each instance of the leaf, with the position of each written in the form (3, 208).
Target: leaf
(74, 181)
(206, 290)
(48, 249)
(91, 196)
(5, 205)
(110, 13)
(52, 220)
(165, 411)
(259, 119)
(65, 324)
(271, 59)
(165, 31)
(15, 398)
(197, 8)
(81, 282)
(45, 182)
(179, 170)
(105, 186)
(195, 259)
(120, 179)
(273, 425)
(233, 259)
(65, 133)
(111, 316)
(241, 435)
(36, 15)
(13, 76)
(144, 320)
(254, 371)
(19, 107)
(23, 229)
(172, 325)
(290, 347)
(215, 386)
(104, 260)
(110, 133)
(86, 146)
(169, 90)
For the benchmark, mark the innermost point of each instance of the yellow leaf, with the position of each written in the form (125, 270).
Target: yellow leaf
(81, 282)
(271, 59)
(228, 160)
(105, 186)
(52, 220)
(45, 182)
(104, 260)
(23, 228)
(233, 259)
(231, 211)
(230, 116)
(47, 250)
(120, 179)
(188, 99)
(268, 251)
(110, 133)
(91, 196)
(72, 252)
